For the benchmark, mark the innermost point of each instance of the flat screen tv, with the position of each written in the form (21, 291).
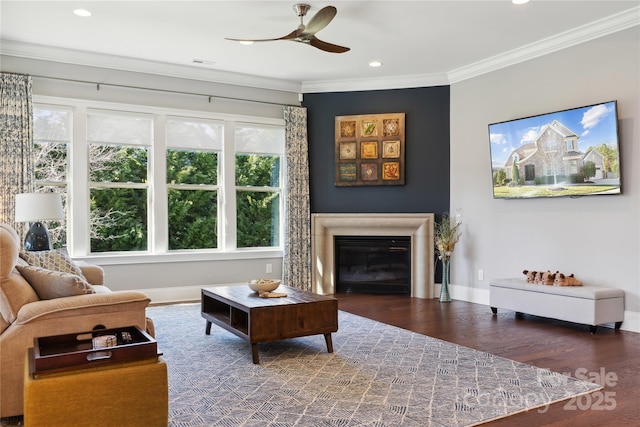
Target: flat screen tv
(568, 153)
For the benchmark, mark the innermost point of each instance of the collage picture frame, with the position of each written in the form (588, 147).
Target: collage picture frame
(370, 150)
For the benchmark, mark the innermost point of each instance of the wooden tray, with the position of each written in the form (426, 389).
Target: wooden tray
(75, 351)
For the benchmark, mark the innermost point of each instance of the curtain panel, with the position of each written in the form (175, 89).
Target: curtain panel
(16, 146)
(297, 245)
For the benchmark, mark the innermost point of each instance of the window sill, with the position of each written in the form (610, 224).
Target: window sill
(148, 258)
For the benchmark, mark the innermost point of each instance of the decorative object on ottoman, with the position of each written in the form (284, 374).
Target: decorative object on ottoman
(548, 278)
(446, 237)
(570, 280)
(538, 277)
(531, 275)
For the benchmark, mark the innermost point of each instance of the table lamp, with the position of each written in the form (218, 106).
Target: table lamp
(36, 207)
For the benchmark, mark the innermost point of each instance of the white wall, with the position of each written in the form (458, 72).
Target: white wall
(503, 237)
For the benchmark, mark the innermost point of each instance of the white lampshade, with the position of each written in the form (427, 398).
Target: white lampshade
(32, 207)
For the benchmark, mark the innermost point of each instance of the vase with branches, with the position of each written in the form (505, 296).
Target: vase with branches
(447, 235)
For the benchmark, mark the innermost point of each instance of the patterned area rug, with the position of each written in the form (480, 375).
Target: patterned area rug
(378, 376)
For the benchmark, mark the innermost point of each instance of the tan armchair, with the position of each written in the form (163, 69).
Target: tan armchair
(24, 316)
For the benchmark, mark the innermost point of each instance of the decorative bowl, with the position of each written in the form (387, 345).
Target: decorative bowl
(264, 285)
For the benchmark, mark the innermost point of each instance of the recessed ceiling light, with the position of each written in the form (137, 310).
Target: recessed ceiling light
(246, 42)
(519, 1)
(375, 64)
(82, 12)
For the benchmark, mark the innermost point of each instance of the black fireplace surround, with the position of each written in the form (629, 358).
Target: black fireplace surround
(373, 264)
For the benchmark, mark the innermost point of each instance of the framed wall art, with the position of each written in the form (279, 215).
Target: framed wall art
(369, 150)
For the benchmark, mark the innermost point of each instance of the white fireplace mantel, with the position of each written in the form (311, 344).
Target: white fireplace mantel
(418, 226)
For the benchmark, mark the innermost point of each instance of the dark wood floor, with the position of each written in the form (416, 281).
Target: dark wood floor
(559, 346)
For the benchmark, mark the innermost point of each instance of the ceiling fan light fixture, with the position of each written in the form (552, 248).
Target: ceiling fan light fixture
(375, 64)
(519, 1)
(246, 42)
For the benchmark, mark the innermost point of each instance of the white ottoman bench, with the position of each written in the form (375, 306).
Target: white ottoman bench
(590, 305)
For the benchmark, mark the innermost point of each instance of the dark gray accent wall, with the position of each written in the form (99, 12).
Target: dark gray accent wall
(426, 187)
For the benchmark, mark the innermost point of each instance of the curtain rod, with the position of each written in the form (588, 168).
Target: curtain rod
(210, 97)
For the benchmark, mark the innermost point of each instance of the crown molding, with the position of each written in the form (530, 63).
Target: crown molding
(121, 63)
(381, 83)
(575, 36)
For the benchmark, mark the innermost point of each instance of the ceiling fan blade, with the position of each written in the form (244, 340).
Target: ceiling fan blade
(251, 40)
(290, 36)
(327, 47)
(319, 21)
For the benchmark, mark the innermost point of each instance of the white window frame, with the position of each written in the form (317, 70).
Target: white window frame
(78, 187)
(265, 189)
(164, 239)
(146, 185)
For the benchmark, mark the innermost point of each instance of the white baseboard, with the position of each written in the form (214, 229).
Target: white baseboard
(631, 321)
(174, 294)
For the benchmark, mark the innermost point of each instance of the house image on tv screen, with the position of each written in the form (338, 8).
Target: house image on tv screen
(552, 158)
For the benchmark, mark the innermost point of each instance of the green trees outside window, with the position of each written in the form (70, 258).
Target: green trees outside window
(193, 211)
(118, 198)
(257, 200)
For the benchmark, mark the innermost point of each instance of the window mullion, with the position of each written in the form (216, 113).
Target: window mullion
(78, 193)
(158, 212)
(228, 225)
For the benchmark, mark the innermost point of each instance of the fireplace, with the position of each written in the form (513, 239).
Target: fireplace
(373, 264)
(417, 227)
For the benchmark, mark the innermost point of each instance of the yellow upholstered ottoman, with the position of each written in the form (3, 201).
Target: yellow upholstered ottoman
(122, 394)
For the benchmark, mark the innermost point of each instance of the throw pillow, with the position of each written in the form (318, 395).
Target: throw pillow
(56, 260)
(50, 284)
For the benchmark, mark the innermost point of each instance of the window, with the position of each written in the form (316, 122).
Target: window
(259, 151)
(52, 132)
(146, 180)
(193, 148)
(118, 146)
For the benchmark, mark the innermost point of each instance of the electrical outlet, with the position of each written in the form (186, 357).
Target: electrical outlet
(269, 268)
(480, 274)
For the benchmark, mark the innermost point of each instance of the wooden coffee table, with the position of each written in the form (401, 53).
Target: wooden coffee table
(240, 310)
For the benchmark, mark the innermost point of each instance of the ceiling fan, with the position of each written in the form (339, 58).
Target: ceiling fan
(307, 33)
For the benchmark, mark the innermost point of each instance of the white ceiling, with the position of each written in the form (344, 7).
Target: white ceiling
(420, 43)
